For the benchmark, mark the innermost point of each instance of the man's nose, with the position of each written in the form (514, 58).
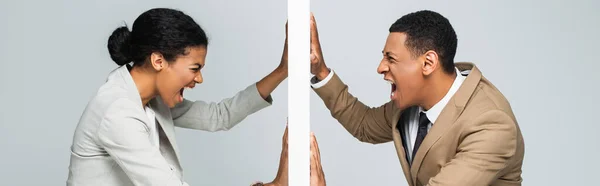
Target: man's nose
(383, 67)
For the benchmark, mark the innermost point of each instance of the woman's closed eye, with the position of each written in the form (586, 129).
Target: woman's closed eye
(196, 67)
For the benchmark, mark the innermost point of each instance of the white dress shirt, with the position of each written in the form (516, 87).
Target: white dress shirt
(410, 130)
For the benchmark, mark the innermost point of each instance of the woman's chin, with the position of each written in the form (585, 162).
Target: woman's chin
(172, 106)
(176, 99)
(171, 103)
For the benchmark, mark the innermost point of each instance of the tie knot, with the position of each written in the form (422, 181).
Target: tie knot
(423, 121)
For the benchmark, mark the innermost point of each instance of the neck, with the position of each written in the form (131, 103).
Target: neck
(144, 82)
(437, 88)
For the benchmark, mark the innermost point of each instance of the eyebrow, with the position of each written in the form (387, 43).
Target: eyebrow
(389, 54)
(196, 65)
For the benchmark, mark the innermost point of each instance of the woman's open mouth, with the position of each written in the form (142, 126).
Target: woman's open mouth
(181, 95)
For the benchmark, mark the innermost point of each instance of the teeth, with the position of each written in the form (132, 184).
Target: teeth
(390, 81)
(392, 93)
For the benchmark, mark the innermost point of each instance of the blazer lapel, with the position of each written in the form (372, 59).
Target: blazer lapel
(163, 114)
(448, 115)
(165, 120)
(444, 121)
(398, 142)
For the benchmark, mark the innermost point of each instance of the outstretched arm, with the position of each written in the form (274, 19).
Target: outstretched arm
(230, 111)
(270, 82)
(367, 124)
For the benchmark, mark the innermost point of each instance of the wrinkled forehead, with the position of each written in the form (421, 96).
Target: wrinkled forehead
(395, 44)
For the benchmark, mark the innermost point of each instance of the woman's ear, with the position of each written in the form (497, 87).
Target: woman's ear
(157, 61)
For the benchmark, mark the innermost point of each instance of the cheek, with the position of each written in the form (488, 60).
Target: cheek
(407, 78)
(185, 78)
(181, 77)
(167, 82)
(189, 77)
(404, 74)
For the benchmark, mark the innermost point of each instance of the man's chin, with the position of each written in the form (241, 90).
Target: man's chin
(399, 105)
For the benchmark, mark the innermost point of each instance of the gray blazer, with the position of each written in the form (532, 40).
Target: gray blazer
(112, 145)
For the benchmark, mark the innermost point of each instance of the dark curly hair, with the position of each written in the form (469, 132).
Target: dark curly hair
(428, 30)
(162, 30)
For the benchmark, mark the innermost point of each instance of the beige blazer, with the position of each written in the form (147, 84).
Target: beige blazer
(475, 141)
(112, 143)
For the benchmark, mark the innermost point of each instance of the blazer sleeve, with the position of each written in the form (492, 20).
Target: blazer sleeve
(219, 116)
(487, 148)
(125, 137)
(367, 124)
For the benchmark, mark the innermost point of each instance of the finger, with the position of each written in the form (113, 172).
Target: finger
(318, 157)
(315, 45)
(313, 160)
(313, 58)
(314, 34)
(318, 170)
(316, 144)
(286, 28)
(284, 139)
(285, 136)
(313, 20)
(312, 52)
(315, 148)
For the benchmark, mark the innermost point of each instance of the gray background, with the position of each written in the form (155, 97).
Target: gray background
(541, 54)
(54, 58)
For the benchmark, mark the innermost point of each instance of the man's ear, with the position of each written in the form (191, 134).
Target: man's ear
(158, 61)
(430, 62)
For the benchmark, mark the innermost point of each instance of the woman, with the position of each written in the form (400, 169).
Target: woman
(125, 136)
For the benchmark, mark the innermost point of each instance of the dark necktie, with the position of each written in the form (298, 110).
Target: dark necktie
(422, 132)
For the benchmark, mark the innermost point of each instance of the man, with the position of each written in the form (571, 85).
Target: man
(317, 177)
(449, 124)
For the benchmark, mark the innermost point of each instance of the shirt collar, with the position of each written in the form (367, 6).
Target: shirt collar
(433, 113)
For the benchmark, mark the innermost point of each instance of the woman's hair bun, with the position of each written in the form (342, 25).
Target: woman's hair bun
(119, 46)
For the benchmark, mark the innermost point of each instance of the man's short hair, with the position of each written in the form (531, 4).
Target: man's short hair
(428, 30)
